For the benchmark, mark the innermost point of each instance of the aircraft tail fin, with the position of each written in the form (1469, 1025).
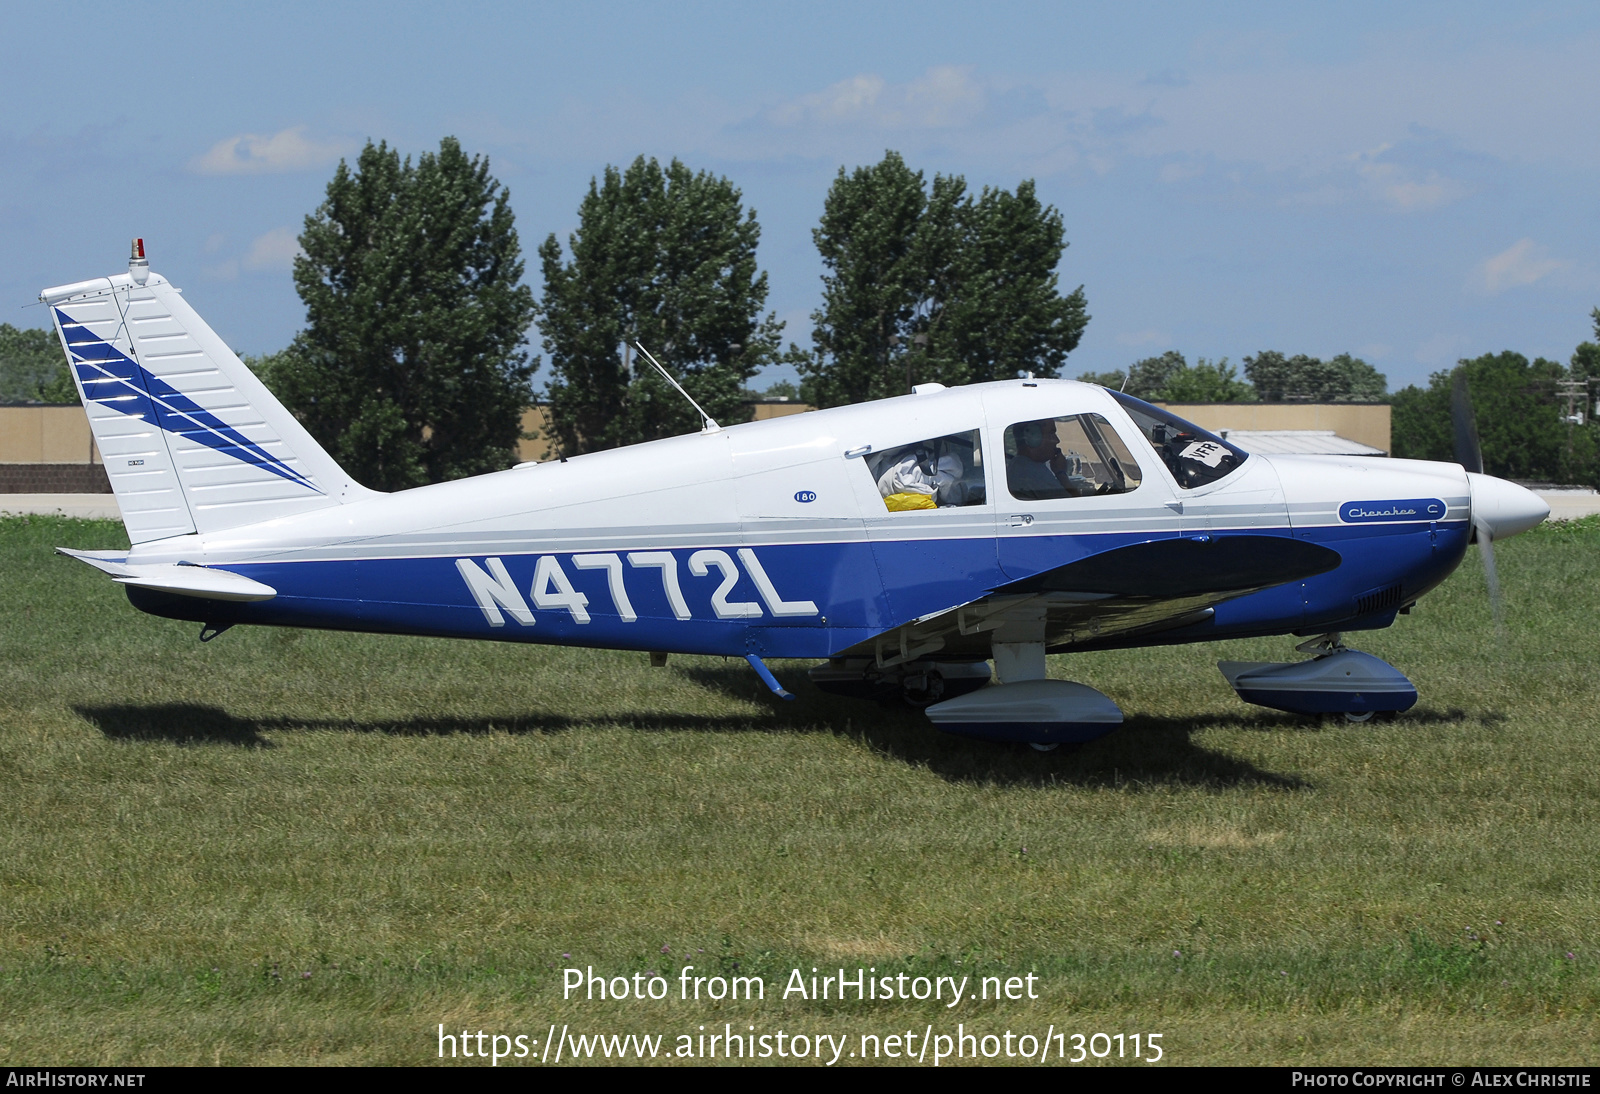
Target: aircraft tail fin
(192, 440)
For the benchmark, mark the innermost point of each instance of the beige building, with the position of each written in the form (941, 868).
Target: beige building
(1365, 423)
(49, 450)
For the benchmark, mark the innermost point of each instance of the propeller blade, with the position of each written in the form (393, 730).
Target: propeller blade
(1491, 576)
(1464, 425)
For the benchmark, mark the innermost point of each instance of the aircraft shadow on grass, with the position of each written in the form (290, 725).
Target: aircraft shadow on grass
(1147, 751)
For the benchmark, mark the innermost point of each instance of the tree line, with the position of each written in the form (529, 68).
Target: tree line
(1269, 377)
(1537, 420)
(413, 364)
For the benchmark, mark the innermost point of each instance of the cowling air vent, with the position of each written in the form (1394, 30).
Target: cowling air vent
(1379, 600)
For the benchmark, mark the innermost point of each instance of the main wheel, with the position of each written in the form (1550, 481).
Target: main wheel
(1352, 716)
(922, 690)
(1037, 747)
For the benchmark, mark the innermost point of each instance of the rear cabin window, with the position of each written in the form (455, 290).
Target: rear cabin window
(1077, 456)
(1194, 456)
(937, 473)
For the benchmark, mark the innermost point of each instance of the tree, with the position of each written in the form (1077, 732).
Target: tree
(666, 258)
(32, 367)
(1170, 379)
(410, 369)
(1001, 312)
(1518, 417)
(929, 283)
(1586, 358)
(1342, 379)
(1207, 382)
(1144, 379)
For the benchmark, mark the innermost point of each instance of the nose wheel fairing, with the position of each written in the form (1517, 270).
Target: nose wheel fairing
(1344, 681)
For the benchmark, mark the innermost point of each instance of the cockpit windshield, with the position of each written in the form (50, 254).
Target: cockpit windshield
(1194, 456)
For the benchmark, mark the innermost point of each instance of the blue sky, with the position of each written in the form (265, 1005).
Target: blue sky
(1408, 183)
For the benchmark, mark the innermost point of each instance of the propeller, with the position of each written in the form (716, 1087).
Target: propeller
(1469, 454)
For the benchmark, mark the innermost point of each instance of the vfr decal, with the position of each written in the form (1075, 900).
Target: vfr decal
(497, 595)
(1207, 452)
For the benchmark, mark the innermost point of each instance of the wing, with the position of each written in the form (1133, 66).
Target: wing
(1143, 588)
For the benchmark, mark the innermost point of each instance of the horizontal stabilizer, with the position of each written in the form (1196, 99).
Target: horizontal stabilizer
(184, 579)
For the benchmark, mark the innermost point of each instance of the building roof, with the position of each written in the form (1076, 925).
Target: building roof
(1304, 442)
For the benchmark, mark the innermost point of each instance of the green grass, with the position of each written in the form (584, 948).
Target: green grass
(428, 827)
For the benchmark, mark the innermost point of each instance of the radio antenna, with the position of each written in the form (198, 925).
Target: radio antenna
(709, 423)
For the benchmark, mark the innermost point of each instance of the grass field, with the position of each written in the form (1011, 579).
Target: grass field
(293, 847)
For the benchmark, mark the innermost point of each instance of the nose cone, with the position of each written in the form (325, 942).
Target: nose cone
(1504, 506)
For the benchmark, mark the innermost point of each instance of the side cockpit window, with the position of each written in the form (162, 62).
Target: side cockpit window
(1076, 456)
(937, 473)
(1194, 456)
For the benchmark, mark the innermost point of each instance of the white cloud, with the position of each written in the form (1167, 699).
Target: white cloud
(943, 97)
(1402, 189)
(1522, 263)
(252, 154)
(274, 251)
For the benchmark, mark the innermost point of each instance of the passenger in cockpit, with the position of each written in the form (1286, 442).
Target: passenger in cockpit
(916, 471)
(1040, 469)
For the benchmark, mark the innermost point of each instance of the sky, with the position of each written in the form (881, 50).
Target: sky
(1409, 183)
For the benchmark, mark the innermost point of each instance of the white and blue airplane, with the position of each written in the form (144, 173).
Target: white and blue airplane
(905, 543)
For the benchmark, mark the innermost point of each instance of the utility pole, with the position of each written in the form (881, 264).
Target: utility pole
(1575, 393)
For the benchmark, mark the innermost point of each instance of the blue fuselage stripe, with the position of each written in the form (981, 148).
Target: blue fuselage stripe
(858, 589)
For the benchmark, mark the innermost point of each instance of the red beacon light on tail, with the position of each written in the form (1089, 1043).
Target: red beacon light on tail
(138, 265)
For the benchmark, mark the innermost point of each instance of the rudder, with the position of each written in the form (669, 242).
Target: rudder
(191, 439)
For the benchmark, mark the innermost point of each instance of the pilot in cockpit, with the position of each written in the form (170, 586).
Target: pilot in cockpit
(1040, 469)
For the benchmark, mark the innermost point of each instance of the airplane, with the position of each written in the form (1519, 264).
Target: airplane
(904, 544)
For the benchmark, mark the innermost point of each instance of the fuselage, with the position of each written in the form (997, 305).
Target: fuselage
(774, 538)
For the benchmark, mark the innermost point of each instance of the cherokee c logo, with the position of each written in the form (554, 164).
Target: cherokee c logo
(1410, 509)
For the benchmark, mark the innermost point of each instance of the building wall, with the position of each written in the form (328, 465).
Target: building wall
(46, 434)
(1367, 423)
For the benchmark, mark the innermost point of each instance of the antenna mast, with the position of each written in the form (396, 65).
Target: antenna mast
(709, 424)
